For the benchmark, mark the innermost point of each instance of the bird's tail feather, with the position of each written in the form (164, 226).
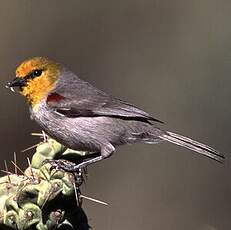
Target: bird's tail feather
(192, 145)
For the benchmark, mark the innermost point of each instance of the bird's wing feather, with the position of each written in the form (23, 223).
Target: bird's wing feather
(82, 99)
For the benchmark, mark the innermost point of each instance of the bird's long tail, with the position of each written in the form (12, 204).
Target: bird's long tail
(192, 145)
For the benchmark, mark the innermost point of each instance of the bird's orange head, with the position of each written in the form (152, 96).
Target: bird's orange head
(36, 77)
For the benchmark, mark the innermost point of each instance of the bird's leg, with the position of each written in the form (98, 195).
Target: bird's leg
(62, 164)
(88, 162)
(68, 166)
(106, 151)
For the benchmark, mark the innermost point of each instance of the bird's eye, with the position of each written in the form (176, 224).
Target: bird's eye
(37, 73)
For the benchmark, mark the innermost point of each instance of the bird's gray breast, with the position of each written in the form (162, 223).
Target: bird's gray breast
(81, 133)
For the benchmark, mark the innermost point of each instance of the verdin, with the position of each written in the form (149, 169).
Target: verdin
(85, 118)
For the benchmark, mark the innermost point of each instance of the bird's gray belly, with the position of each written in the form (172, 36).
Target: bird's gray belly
(81, 133)
(92, 133)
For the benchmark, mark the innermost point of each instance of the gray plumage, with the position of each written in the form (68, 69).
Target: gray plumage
(85, 118)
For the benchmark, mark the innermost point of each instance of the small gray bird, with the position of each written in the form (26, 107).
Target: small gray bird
(84, 118)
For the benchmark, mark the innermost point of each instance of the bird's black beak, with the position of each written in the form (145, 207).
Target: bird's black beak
(17, 82)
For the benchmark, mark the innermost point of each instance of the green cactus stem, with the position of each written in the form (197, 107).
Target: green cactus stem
(43, 198)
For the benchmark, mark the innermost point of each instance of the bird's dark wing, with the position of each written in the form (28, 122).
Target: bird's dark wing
(83, 100)
(106, 106)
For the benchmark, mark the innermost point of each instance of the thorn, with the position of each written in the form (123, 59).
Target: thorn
(6, 172)
(42, 135)
(36, 134)
(55, 170)
(31, 170)
(47, 198)
(5, 182)
(45, 174)
(45, 137)
(15, 163)
(19, 169)
(45, 201)
(29, 148)
(6, 168)
(94, 200)
(76, 195)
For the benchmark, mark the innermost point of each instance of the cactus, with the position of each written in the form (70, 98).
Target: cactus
(43, 197)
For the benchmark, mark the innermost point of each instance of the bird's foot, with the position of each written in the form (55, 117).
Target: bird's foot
(70, 167)
(61, 164)
(76, 169)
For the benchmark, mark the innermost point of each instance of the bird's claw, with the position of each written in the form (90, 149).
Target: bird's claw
(68, 166)
(65, 165)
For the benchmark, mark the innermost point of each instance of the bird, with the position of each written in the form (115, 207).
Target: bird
(82, 117)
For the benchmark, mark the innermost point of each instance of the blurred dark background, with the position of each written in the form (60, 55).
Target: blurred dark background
(171, 58)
